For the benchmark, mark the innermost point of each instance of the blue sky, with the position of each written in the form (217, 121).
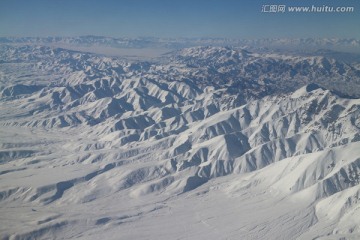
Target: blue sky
(174, 18)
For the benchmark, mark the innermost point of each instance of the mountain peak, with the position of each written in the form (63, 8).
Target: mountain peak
(312, 87)
(305, 90)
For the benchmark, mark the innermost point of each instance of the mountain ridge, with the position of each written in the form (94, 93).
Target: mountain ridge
(96, 145)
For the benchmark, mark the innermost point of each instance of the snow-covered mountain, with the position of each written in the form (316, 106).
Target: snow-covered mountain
(176, 43)
(236, 69)
(208, 143)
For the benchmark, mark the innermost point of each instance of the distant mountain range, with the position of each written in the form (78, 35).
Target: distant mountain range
(177, 43)
(239, 71)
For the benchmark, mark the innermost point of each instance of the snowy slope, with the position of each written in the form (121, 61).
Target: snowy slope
(199, 146)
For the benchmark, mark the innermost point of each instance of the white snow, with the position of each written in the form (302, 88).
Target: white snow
(124, 150)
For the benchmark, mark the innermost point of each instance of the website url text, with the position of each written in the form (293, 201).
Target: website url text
(307, 9)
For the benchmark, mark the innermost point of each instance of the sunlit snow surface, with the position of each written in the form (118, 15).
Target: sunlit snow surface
(95, 147)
